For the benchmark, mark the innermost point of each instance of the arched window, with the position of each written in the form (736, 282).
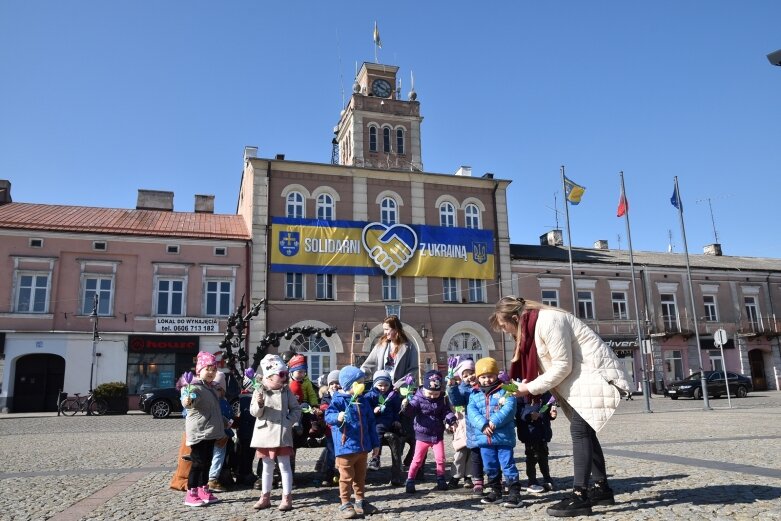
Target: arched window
(465, 345)
(388, 211)
(295, 205)
(386, 140)
(399, 141)
(316, 352)
(372, 139)
(325, 207)
(472, 216)
(447, 215)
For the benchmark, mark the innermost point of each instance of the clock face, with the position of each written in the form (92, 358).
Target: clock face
(381, 88)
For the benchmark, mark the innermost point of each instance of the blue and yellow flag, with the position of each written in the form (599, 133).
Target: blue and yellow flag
(377, 40)
(573, 191)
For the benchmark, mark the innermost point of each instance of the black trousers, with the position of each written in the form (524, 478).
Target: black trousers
(477, 465)
(586, 452)
(537, 454)
(201, 454)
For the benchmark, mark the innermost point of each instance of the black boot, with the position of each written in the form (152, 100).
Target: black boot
(514, 496)
(577, 504)
(494, 486)
(601, 494)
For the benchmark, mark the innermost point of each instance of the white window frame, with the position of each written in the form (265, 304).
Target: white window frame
(231, 295)
(710, 308)
(477, 290)
(88, 301)
(620, 306)
(390, 288)
(294, 281)
(552, 297)
(669, 309)
(171, 279)
(389, 211)
(295, 205)
(32, 288)
(325, 286)
(753, 317)
(451, 289)
(325, 207)
(472, 217)
(447, 215)
(585, 304)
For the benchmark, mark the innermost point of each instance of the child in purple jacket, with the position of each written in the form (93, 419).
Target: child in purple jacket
(431, 413)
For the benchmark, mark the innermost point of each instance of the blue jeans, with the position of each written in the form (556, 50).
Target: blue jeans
(499, 458)
(218, 458)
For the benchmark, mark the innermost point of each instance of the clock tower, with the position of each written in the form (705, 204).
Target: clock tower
(377, 128)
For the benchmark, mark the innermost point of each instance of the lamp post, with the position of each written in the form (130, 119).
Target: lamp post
(94, 319)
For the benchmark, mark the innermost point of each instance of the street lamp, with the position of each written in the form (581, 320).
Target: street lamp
(94, 319)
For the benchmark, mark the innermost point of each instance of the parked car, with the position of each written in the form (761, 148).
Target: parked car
(691, 387)
(160, 403)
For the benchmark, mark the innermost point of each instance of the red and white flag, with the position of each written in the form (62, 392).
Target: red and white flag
(623, 205)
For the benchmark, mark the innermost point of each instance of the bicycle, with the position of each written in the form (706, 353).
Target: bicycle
(86, 404)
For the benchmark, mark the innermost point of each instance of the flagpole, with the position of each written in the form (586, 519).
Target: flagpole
(646, 387)
(706, 403)
(569, 245)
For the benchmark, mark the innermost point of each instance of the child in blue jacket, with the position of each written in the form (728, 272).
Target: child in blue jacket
(386, 403)
(352, 427)
(491, 413)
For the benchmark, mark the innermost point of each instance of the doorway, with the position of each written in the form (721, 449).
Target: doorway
(38, 381)
(757, 365)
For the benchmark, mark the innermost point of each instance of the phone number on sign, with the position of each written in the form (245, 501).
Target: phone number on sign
(188, 329)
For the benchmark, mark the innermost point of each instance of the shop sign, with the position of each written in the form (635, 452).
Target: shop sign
(163, 343)
(186, 325)
(621, 347)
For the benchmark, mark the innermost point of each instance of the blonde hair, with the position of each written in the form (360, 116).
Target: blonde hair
(512, 306)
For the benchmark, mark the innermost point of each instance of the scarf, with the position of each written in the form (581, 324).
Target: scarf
(525, 368)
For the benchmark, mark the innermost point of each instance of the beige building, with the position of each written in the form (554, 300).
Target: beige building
(348, 243)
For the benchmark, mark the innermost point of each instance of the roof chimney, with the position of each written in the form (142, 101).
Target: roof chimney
(250, 152)
(552, 238)
(280, 157)
(5, 191)
(204, 203)
(712, 249)
(601, 244)
(155, 200)
(465, 171)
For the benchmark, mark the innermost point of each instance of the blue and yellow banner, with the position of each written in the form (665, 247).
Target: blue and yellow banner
(362, 248)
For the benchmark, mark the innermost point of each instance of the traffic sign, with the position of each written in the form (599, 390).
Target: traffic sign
(719, 337)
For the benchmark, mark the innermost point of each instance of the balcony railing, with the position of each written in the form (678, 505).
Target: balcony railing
(766, 325)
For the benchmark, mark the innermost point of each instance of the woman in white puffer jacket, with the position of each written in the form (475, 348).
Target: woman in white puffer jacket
(557, 352)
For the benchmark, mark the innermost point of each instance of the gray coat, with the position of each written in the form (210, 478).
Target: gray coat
(406, 362)
(204, 416)
(274, 421)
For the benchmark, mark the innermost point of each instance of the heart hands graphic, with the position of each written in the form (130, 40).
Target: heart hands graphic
(393, 248)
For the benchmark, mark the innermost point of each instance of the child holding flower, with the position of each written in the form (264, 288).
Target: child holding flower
(386, 403)
(352, 428)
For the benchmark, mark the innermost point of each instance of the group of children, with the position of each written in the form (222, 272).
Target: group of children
(472, 402)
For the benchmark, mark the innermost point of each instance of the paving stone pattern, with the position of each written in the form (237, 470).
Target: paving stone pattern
(681, 462)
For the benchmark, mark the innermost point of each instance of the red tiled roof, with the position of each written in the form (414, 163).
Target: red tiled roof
(154, 223)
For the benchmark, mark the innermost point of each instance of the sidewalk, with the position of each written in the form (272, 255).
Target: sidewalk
(680, 462)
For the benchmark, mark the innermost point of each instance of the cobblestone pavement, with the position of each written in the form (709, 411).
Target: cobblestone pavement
(681, 462)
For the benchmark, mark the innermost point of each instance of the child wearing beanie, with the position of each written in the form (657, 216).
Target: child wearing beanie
(304, 390)
(386, 403)
(354, 435)
(276, 410)
(466, 460)
(491, 415)
(431, 412)
(204, 425)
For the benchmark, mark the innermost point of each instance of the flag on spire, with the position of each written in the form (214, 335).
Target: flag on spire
(377, 40)
(573, 191)
(623, 204)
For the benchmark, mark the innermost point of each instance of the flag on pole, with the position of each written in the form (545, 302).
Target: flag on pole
(675, 201)
(377, 40)
(573, 191)
(623, 204)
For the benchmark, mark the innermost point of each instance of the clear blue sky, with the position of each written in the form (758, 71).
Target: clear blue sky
(98, 99)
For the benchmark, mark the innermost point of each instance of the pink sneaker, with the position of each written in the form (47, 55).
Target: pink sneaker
(191, 499)
(206, 496)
